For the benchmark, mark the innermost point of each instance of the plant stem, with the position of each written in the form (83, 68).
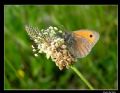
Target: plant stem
(82, 77)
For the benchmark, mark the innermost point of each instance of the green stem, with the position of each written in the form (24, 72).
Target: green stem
(82, 77)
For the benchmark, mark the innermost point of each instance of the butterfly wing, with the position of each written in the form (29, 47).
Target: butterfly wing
(84, 42)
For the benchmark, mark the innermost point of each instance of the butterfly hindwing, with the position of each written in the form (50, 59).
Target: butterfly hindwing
(83, 42)
(82, 47)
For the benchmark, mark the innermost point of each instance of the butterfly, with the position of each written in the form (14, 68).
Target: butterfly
(81, 42)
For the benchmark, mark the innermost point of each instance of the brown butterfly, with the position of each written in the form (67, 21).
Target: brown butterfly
(81, 42)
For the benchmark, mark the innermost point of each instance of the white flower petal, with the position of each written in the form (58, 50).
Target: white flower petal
(39, 46)
(36, 55)
(64, 46)
(36, 40)
(32, 46)
(34, 50)
(50, 27)
(55, 28)
(40, 51)
(48, 56)
(60, 31)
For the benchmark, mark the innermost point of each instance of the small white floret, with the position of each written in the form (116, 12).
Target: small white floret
(42, 29)
(36, 40)
(60, 31)
(34, 50)
(55, 28)
(32, 46)
(50, 27)
(39, 46)
(36, 55)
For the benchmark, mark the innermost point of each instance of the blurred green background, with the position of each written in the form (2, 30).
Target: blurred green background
(24, 71)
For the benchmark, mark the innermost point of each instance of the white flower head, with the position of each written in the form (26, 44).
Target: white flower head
(52, 45)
